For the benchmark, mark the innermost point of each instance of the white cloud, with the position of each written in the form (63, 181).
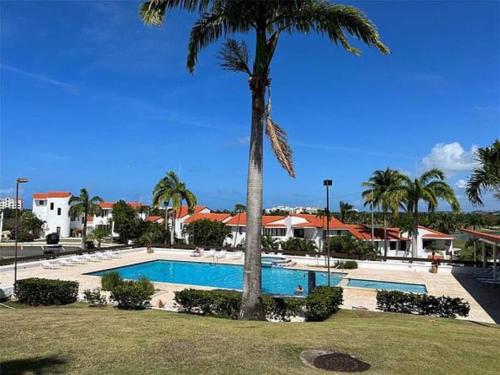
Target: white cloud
(461, 184)
(244, 140)
(450, 157)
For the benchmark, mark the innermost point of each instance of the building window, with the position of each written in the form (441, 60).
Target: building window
(275, 232)
(52, 206)
(59, 211)
(298, 233)
(392, 245)
(41, 203)
(402, 245)
(58, 230)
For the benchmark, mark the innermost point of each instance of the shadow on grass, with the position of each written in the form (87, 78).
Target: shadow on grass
(37, 365)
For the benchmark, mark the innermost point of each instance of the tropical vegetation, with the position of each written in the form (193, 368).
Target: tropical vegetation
(486, 176)
(269, 242)
(127, 223)
(171, 191)
(299, 244)
(267, 20)
(346, 209)
(82, 206)
(207, 233)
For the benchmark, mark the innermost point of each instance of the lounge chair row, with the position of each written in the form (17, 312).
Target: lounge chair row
(217, 254)
(80, 259)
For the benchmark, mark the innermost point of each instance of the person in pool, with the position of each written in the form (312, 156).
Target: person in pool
(299, 290)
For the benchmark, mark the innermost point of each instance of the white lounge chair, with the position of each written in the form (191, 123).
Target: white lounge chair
(49, 265)
(220, 254)
(91, 258)
(236, 255)
(210, 253)
(66, 262)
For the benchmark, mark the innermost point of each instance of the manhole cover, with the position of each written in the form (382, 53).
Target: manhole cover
(333, 361)
(340, 362)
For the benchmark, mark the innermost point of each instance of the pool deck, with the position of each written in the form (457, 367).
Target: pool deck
(437, 284)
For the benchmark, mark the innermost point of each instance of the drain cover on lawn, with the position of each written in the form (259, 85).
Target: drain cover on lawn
(333, 361)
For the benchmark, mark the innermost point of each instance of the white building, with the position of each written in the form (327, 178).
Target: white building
(10, 202)
(53, 209)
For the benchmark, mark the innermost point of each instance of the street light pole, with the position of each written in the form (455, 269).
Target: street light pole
(327, 184)
(20, 180)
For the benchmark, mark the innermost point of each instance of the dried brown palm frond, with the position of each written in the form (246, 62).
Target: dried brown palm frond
(281, 148)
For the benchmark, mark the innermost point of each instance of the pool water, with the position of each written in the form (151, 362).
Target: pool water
(387, 285)
(274, 280)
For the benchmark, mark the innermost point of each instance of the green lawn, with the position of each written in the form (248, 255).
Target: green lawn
(81, 340)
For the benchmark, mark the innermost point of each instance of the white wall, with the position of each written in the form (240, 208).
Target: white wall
(55, 213)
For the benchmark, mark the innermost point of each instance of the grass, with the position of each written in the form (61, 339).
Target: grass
(82, 340)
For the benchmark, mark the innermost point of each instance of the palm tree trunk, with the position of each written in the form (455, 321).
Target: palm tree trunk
(172, 229)
(166, 223)
(251, 304)
(385, 235)
(414, 239)
(84, 231)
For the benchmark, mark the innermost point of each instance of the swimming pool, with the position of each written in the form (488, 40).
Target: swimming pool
(387, 285)
(227, 276)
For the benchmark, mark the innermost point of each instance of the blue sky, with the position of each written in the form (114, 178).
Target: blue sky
(92, 98)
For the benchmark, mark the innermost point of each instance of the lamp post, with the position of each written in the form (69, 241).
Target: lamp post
(327, 184)
(20, 180)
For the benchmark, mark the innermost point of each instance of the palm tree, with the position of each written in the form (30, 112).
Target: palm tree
(238, 209)
(345, 210)
(430, 187)
(83, 205)
(487, 175)
(170, 190)
(380, 194)
(268, 242)
(267, 20)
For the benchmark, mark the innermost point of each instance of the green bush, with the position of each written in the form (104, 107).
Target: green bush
(323, 302)
(226, 304)
(422, 304)
(110, 280)
(94, 297)
(133, 295)
(35, 291)
(346, 265)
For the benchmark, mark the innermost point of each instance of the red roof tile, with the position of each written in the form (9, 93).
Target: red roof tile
(52, 194)
(184, 211)
(314, 221)
(434, 234)
(364, 232)
(208, 216)
(154, 219)
(486, 236)
(241, 220)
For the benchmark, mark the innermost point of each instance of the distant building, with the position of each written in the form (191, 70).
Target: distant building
(293, 210)
(11, 203)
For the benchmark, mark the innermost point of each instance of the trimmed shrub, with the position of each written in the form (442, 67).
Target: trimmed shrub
(346, 265)
(35, 291)
(94, 297)
(133, 295)
(422, 304)
(323, 302)
(110, 280)
(226, 304)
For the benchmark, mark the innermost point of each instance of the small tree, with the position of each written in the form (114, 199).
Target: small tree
(98, 234)
(268, 242)
(127, 224)
(207, 233)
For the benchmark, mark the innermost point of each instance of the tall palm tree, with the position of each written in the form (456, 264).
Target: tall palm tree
(487, 175)
(345, 210)
(380, 194)
(267, 20)
(84, 205)
(430, 187)
(170, 190)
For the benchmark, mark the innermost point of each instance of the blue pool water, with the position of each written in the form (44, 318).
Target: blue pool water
(387, 285)
(274, 280)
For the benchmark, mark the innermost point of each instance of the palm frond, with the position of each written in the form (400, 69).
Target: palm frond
(153, 12)
(234, 56)
(280, 146)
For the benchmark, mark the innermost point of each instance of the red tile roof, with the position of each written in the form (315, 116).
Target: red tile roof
(435, 234)
(184, 211)
(208, 216)
(52, 194)
(482, 235)
(364, 232)
(154, 219)
(314, 221)
(241, 220)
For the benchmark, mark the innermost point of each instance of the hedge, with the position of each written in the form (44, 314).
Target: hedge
(35, 291)
(133, 295)
(323, 302)
(422, 304)
(346, 265)
(226, 304)
(110, 280)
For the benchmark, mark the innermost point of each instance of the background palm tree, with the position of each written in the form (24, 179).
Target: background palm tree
(345, 210)
(380, 194)
(83, 205)
(238, 209)
(487, 175)
(266, 20)
(430, 187)
(170, 190)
